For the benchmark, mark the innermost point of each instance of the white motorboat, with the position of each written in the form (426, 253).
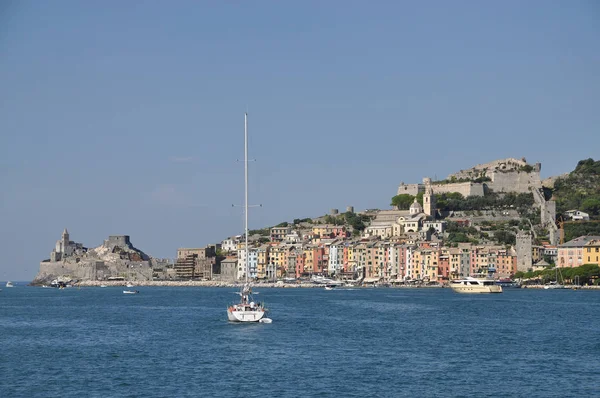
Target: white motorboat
(130, 291)
(102, 285)
(473, 285)
(246, 310)
(129, 284)
(9, 284)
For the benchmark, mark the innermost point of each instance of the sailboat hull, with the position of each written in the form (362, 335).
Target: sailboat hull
(244, 316)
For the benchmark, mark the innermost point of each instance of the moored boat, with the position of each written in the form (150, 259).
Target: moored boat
(507, 282)
(475, 285)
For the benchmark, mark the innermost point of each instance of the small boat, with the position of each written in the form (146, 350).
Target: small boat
(507, 282)
(131, 291)
(555, 284)
(328, 288)
(102, 285)
(9, 284)
(129, 284)
(474, 285)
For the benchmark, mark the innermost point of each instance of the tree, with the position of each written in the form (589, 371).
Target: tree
(420, 198)
(402, 201)
(591, 205)
(505, 237)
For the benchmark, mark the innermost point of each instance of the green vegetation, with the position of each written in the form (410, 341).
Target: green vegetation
(335, 220)
(502, 233)
(587, 274)
(300, 220)
(357, 222)
(404, 200)
(526, 169)
(282, 224)
(505, 237)
(262, 232)
(453, 180)
(575, 230)
(580, 190)
(454, 201)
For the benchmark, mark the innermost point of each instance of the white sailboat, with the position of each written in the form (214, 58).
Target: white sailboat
(246, 310)
(555, 284)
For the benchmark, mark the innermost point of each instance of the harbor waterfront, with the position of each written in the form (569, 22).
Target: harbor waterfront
(260, 285)
(177, 342)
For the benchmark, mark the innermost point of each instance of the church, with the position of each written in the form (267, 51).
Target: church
(417, 219)
(65, 248)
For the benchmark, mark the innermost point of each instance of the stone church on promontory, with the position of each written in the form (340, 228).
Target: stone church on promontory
(116, 258)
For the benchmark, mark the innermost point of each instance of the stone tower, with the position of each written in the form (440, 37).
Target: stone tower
(523, 248)
(428, 199)
(65, 240)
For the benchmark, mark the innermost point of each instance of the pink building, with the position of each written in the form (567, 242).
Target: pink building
(444, 268)
(570, 254)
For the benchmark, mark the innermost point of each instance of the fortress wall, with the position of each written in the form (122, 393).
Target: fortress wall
(515, 181)
(93, 269)
(52, 270)
(410, 189)
(118, 240)
(500, 164)
(464, 188)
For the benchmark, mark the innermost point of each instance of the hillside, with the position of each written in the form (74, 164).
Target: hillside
(580, 189)
(493, 217)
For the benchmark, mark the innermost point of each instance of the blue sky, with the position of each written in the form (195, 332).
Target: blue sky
(127, 117)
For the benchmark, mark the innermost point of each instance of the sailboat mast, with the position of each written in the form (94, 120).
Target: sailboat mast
(246, 189)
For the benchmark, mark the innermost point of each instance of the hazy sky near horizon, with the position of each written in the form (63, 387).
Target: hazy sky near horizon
(126, 117)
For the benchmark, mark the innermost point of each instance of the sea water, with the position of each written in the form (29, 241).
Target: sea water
(177, 342)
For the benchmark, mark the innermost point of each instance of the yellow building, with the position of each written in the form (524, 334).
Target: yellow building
(591, 252)
(351, 258)
(262, 259)
(279, 255)
(308, 259)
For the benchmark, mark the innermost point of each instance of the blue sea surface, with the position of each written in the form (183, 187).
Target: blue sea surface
(177, 342)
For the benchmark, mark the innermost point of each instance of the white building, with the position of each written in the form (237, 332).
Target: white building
(336, 258)
(410, 272)
(252, 264)
(230, 244)
(438, 226)
(577, 215)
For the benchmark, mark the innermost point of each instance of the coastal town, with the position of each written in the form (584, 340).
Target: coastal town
(494, 218)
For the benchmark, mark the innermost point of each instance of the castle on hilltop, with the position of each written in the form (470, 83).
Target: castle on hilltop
(499, 176)
(115, 258)
(506, 175)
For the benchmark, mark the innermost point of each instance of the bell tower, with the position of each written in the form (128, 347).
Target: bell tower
(65, 240)
(428, 199)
